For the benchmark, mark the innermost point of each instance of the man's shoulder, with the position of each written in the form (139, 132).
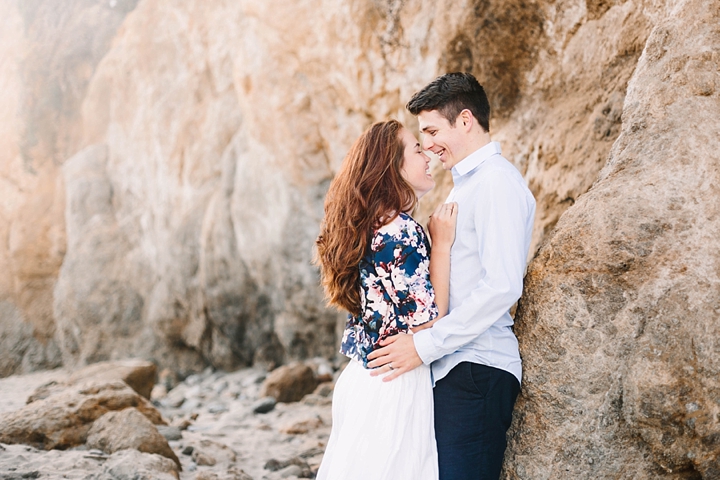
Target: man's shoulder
(498, 172)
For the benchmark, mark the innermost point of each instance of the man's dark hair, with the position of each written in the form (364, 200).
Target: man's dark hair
(450, 94)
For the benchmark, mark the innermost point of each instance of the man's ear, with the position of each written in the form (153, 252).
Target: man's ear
(465, 120)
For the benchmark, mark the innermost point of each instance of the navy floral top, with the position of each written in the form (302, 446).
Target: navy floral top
(396, 290)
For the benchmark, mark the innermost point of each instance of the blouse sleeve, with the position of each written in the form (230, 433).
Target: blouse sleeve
(403, 265)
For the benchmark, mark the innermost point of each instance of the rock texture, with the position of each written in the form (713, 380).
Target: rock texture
(192, 171)
(22, 462)
(137, 374)
(64, 419)
(211, 443)
(163, 166)
(128, 429)
(618, 324)
(289, 383)
(49, 52)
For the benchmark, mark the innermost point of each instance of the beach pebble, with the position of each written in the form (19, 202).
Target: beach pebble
(170, 433)
(264, 405)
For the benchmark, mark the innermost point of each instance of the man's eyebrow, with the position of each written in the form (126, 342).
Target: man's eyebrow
(426, 128)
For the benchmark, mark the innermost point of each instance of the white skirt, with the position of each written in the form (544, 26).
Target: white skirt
(381, 430)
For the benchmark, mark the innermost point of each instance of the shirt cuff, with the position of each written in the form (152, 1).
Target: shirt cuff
(424, 346)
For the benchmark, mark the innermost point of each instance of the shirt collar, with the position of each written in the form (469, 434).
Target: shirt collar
(472, 161)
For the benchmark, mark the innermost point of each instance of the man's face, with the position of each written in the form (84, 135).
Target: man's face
(442, 138)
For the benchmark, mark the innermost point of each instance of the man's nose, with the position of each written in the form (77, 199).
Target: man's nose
(426, 142)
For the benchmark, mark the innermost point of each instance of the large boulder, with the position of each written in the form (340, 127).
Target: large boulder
(618, 324)
(134, 465)
(137, 374)
(63, 420)
(128, 428)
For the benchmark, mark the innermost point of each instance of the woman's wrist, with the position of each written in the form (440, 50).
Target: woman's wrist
(441, 247)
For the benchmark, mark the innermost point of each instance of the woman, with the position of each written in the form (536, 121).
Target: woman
(374, 263)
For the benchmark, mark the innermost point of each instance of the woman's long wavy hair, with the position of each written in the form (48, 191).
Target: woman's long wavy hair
(368, 192)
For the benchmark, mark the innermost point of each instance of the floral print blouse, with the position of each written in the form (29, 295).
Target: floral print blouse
(396, 290)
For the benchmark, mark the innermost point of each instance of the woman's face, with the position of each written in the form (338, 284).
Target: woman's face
(416, 165)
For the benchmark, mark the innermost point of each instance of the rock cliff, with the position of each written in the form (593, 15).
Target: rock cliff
(618, 323)
(163, 166)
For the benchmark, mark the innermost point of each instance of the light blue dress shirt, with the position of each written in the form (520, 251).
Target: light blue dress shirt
(487, 264)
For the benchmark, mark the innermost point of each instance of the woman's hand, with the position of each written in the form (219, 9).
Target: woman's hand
(442, 225)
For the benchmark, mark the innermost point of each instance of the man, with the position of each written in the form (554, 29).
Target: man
(473, 350)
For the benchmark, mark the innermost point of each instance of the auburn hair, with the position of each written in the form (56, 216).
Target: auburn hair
(368, 192)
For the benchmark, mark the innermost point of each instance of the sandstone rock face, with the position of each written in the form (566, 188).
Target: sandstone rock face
(137, 374)
(50, 51)
(289, 383)
(193, 171)
(618, 325)
(128, 429)
(64, 419)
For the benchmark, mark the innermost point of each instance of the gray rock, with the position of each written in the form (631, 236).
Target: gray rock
(264, 405)
(171, 433)
(291, 470)
(217, 407)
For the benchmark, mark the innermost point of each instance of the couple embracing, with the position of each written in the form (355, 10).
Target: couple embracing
(435, 367)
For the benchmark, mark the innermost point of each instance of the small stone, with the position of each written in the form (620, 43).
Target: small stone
(188, 450)
(264, 405)
(217, 407)
(303, 426)
(315, 400)
(170, 432)
(203, 459)
(311, 452)
(274, 465)
(181, 423)
(220, 387)
(290, 470)
(325, 389)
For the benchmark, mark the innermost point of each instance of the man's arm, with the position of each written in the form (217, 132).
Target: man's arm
(501, 215)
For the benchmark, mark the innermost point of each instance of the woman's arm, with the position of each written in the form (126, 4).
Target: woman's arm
(442, 232)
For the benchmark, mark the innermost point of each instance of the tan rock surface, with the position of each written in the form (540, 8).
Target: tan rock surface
(289, 383)
(62, 420)
(618, 324)
(49, 53)
(22, 462)
(137, 374)
(128, 429)
(198, 144)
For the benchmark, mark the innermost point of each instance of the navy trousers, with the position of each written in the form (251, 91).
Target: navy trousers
(473, 410)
